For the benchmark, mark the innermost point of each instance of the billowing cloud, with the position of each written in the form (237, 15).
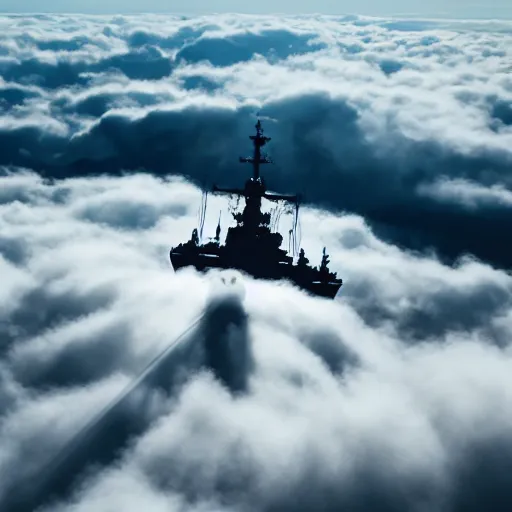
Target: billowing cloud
(365, 113)
(395, 396)
(468, 194)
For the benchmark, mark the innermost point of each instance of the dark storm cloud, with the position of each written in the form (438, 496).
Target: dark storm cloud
(13, 94)
(364, 130)
(146, 63)
(226, 51)
(348, 173)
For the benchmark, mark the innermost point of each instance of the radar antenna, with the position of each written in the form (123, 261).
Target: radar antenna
(259, 140)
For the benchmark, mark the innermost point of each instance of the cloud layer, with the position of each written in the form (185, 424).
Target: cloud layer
(395, 396)
(366, 114)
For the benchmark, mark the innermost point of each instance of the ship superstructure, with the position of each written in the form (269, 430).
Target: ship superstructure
(252, 246)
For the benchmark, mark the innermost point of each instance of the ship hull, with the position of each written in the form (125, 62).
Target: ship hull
(203, 262)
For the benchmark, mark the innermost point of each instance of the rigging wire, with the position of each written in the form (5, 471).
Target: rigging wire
(200, 212)
(298, 232)
(205, 207)
(279, 213)
(276, 216)
(294, 232)
(273, 213)
(204, 203)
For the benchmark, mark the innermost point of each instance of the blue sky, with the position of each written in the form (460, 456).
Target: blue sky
(442, 8)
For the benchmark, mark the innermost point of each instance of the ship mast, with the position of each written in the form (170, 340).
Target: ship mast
(255, 186)
(259, 140)
(252, 220)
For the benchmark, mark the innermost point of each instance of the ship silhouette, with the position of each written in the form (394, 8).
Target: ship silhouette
(252, 246)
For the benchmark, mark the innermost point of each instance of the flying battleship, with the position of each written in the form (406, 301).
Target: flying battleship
(253, 246)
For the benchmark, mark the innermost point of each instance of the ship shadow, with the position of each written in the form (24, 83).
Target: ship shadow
(226, 344)
(219, 344)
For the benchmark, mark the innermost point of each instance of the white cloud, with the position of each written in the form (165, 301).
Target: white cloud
(470, 195)
(340, 403)
(395, 396)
